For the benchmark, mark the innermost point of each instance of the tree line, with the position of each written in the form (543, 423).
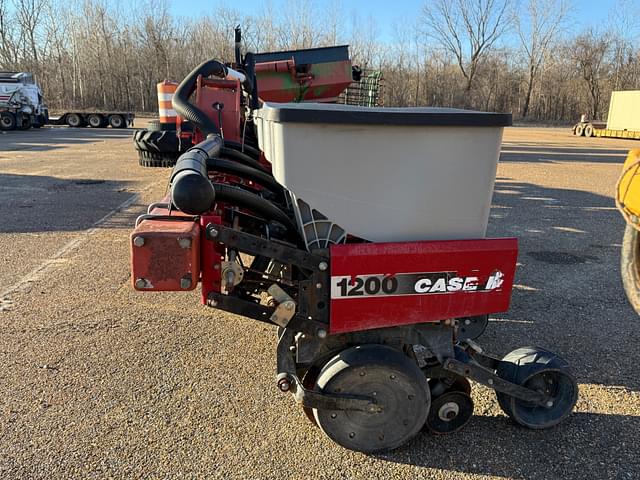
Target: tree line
(525, 57)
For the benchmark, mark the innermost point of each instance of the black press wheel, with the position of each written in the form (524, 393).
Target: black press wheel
(379, 372)
(95, 121)
(545, 372)
(116, 121)
(74, 120)
(449, 412)
(7, 121)
(629, 266)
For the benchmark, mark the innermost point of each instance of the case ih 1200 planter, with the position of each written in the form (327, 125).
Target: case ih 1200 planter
(360, 234)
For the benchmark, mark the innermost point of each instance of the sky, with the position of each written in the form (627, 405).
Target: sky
(584, 13)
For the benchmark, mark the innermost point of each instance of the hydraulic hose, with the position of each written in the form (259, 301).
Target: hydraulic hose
(181, 102)
(191, 189)
(249, 173)
(241, 198)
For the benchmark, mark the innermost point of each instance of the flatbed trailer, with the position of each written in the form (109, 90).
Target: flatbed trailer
(597, 129)
(622, 121)
(76, 119)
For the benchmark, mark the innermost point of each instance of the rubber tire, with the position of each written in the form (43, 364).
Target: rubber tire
(7, 121)
(522, 365)
(117, 121)
(629, 266)
(156, 148)
(95, 120)
(588, 130)
(74, 120)
(26, 122)
(579, 130)
(338, 374)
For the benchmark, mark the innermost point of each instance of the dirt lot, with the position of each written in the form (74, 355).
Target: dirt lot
(97, 381)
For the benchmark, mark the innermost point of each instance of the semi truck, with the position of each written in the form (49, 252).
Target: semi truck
(22, 106)
(623, 120)
(21, 102)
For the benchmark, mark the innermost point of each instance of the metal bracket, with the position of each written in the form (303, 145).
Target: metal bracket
(286, 307)
(330, 401)
(490, 379)
(254, 245)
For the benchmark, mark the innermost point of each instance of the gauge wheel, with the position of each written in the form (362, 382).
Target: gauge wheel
(386, 375)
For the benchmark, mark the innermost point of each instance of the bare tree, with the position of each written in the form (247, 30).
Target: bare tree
(538, 28)
(467, 29)
(589, 51)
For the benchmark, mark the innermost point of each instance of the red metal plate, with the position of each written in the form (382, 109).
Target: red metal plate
(376, 285)
(165, 254)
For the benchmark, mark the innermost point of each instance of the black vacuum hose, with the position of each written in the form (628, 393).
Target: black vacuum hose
(191, 190)
(249, 173)
(242, 158)
(181, 102)
(241, 198)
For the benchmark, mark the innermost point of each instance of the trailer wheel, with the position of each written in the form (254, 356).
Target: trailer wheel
(116, 121)
(579, 131)
(588, 131)
(543, 371)
(7, 121)
(95, 120)
(379, 372)
(74, 120)
(630, 266)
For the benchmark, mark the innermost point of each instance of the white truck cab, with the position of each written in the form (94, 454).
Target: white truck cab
(21, 102)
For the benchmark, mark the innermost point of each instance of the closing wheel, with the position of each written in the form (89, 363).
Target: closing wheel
(383, 373)
(579, 130)
(544, 372)
(449, 412)
(470, 328)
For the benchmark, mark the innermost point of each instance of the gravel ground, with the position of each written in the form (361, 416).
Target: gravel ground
(98, 381)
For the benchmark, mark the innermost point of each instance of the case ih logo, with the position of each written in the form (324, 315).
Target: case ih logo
(412, 284)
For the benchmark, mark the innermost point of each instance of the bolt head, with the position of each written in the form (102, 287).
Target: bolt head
(141, 283)
(284, 385)
(184, 242)
(288, 305)
(213, 232)
(185, 283)
(319, 286)
(321, 333)
(323, 266)
(138, 241)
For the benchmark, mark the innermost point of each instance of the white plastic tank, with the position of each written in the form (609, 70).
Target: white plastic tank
(387, 174)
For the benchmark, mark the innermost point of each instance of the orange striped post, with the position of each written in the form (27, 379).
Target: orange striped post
(168, 115)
